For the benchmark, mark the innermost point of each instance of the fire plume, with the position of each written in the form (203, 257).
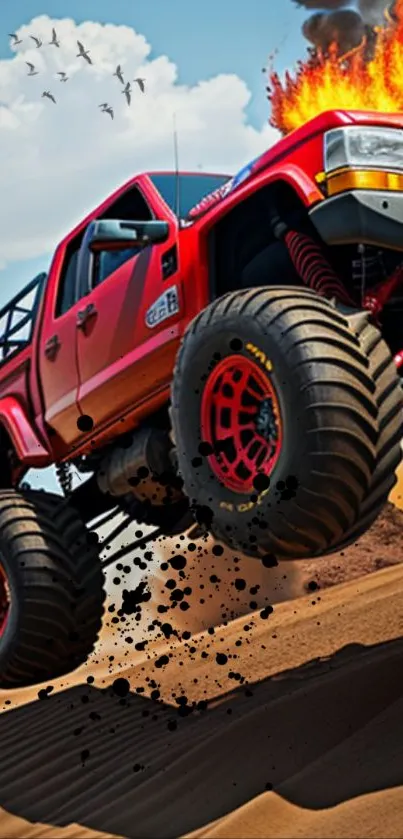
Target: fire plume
(348, 82)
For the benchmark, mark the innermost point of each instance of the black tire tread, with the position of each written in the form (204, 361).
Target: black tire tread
(389, 394)
(61, 593)
(356, 437)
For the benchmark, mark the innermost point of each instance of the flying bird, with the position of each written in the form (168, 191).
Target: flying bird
(103, 105)
(37, 41)
(127, 92)
(109, 111)
(119, 74)
(16, 39)
(63, 76)
(140, 83)
(54, 40)
(46, 94)
(32, 71)
(83, 53)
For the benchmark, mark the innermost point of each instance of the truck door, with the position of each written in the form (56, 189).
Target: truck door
(125, 346)
(58, 368)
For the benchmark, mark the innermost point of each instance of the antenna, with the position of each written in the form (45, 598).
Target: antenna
(177, 179)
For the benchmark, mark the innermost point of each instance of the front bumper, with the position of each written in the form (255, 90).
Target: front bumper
(367, 216)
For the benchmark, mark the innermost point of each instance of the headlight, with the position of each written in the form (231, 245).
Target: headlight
(372, 148)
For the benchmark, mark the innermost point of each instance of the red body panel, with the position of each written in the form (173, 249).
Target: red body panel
(16, 411)
(118, 354)
(118, 370)
(303, 148)
(14, 378)
(18, 424)
(58, 375)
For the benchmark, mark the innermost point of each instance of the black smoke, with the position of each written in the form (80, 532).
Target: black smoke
(332, 22)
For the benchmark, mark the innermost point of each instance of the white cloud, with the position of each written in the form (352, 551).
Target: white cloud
(58, 161)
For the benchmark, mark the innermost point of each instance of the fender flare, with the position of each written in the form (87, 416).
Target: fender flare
(290, 173)
(28, 447)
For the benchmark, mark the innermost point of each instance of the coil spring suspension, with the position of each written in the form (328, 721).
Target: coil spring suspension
(310, 263)
(65, 477)
(317, 273)
(314, 269)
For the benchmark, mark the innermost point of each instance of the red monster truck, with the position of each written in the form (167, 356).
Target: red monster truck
(209, 350)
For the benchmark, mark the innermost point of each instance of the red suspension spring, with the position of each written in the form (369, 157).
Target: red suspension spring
(314, 269)
(317, 273)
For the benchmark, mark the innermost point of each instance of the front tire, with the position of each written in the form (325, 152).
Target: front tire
(389, 396)
(51, 589)
(306, 493)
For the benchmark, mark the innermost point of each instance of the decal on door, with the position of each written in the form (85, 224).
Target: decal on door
(164, 307)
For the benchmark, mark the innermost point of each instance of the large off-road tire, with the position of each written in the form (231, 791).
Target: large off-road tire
(389, 395)
(317, 408)
(51, 588)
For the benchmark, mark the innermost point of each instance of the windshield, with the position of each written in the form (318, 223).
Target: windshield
(192, 188)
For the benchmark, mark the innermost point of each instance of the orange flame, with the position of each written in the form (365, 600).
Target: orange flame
(349, 82)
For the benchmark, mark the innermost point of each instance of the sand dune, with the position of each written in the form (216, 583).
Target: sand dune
(336, 688)
(219, 586)
(283, 722)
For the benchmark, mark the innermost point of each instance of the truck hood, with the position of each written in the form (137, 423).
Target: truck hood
(318, 125)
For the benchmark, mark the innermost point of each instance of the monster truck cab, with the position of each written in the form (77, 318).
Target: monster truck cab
(218, 358)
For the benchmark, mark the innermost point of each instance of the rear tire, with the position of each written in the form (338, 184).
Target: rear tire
(54, 579)
(329, 412)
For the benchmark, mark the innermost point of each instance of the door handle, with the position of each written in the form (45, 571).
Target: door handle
(52, 346)
(84, 315)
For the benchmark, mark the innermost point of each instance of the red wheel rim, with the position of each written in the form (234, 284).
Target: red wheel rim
(4, 601)
(241, 420)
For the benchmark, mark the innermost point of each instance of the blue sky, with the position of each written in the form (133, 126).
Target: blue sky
(222, 36)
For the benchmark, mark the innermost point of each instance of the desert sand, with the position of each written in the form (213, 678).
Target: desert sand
(278, 719)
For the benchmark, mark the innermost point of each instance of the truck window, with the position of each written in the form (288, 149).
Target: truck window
(106, 262)
(131, 206)
(67, 293)
(192, 188)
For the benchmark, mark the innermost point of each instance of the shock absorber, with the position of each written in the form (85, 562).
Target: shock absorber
(310, 263)
(375, 300)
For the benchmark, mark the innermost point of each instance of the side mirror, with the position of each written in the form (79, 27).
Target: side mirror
(112, 234)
